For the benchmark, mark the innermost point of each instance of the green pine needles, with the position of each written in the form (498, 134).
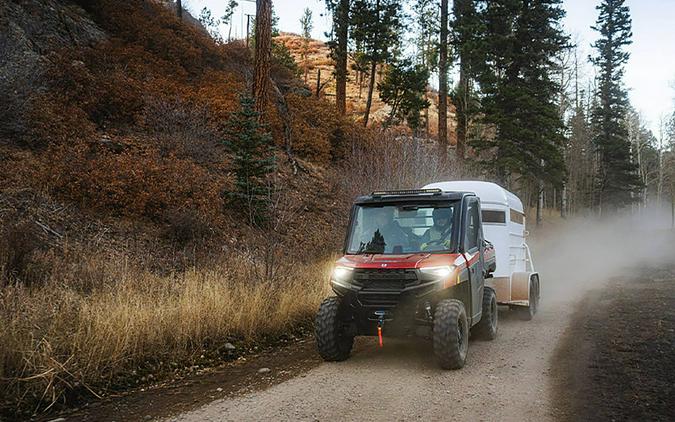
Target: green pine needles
(254, 161)
(617, 179)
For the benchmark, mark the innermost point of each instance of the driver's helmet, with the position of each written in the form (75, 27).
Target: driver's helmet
(442, 216)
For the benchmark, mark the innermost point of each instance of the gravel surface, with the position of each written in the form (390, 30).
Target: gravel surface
(506, 379)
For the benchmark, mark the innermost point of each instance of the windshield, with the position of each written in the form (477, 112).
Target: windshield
(401, 229)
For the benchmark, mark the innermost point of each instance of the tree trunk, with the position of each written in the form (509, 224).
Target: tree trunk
(443, 83)
(461, 106)
(540, 202)
(263, 52)
(179, 9)
(371, 85)
(318, 83)
(342, 33)
(563, 201)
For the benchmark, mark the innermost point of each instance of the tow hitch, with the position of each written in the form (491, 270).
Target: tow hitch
(381, 318)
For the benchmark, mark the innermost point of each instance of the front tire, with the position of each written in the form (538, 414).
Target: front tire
(486, 328)
(450, 334)
(332, 339)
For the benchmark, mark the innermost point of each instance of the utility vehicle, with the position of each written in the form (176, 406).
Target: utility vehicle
(415, 262)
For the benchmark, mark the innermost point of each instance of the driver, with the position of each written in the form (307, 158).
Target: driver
(439, 233)
(389, 228)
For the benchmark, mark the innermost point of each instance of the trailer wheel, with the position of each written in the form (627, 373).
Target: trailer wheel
(450, 334)
(332, 339)
(526, 313)
(486, 328)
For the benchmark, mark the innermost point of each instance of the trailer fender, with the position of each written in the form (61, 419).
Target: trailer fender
(520, 286)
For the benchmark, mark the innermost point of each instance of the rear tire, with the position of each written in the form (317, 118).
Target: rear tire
(450, 334)
(526, 313)
(486, 329)
(332, 339)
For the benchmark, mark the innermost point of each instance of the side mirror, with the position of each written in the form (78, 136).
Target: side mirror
(526, 233)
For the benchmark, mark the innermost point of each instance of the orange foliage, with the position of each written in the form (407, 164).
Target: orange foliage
(137, 181)
(166, 90)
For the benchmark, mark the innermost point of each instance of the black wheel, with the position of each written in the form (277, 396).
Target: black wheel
(486, 328)
(451, 334)
(332, 339)
(526, 313)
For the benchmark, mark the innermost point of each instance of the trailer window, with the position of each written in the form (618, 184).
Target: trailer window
(493, 217)
(517, 217)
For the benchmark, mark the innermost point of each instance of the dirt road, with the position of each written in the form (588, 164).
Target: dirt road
(506, 379)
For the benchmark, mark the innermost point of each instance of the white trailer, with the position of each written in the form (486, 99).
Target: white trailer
(503, 218)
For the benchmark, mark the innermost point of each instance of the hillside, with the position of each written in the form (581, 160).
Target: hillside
(121, 259)
(318, 59)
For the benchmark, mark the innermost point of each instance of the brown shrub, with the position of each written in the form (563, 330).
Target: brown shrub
(135, 182)
(184, 226)
(18, 244)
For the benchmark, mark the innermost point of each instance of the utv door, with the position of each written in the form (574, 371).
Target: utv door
(472, 243)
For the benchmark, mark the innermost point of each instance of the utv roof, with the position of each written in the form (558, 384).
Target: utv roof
(411, 195)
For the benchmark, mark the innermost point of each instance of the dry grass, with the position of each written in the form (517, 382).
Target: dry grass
(58, 340)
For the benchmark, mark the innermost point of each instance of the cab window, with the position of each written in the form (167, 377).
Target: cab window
(472, 226)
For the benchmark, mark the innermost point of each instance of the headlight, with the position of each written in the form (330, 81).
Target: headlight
(438, 272)
(341, 273)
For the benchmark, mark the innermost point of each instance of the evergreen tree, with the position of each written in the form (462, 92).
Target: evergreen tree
(443, 82)
(467, 26)
(426, 14)
(227, 17)
(403, 89)
(617, 179)
(307, 26)
(522, 38)
(253, 161)
(263, 54)
(338, 46)
(376, 26)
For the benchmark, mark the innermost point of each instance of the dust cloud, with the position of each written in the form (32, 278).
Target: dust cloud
(579, 254)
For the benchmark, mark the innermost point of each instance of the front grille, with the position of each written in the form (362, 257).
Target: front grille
(384, 278)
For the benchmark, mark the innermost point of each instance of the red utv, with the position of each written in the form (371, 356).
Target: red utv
(415, 262)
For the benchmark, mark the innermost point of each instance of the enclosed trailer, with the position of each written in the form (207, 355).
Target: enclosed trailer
(503, 218)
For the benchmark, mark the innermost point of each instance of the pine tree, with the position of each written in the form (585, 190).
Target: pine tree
(467, 26)
(338, 46)
(616, 179)
(263, 54)
(307, 26)
(376, 26)
(403, 89)
(227, 17)
(522, 39)
(443, 82)
(253, 161)
(426, 17)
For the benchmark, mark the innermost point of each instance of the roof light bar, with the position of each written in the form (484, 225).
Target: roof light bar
(407, 192)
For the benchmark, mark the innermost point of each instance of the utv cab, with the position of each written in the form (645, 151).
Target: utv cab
(415, 262)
